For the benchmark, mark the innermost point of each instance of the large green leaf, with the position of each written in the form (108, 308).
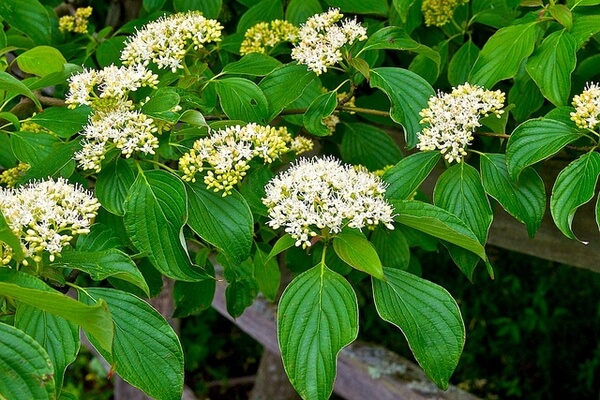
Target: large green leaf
(459, 190)
(161, 105)
(437, 222)
(355, 250)
(265, 10)
(298, 11)
(584, 27)
(461, 63)
(255, 64)
(525, 200)
(100, 265)
(62, 120)
(284, 85)
(59, 337)
(379, 7)
(368, 145)
(41, 61)
(408, 93)
(58, 163)
(316, 318)
(428, 317)
(321, 107)
(15, 87)
(267, 274)
(32, 147)
(225, 222)
(574, 186)
(29, 17)
(552, 64)
(392, 247)
(535, 140)
(525, 95)
(406, 176)
(26, 372)
(209, 8)
(155, 213)
(242, 99)
(95, 318)
(501, 56)
(112, 185)
(146, 350)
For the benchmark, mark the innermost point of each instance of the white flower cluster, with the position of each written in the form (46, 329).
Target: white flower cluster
(167, 40)
(46, 215)
(321, 40)
(127, 130)
(587, 107)
(453, 118)
(102, 89)
(322, 193)
(228, 151)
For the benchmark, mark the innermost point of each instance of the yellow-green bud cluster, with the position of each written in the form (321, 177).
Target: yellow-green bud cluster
(11, 176)
(264, 36)
(439, 12)
(225, 154)
(75, 23)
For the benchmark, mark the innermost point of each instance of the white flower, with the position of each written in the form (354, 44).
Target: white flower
(453, 118)
(128, 130)
(167, 40)
(321, 193)
(46, 215)
(321, 40)
(587, 107)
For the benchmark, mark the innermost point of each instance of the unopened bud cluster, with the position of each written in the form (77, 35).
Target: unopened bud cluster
(452, 119)
(46, 216)
(587, 107)
(322, 193)
(264, 36)
(225, 154)
(75, 23)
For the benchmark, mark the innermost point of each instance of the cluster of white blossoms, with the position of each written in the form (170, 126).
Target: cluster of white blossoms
(587, 107)
(453, 118)
(45, 216)
(127, 130)
(320, 40)
(104, 88)
(225, 154)
(167, 40)
(322, 193)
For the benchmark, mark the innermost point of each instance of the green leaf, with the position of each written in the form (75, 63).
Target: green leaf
(392, 247)
(63, 121)
(146, 351)
(192, 297)
(95, 318)
(461, 63)
(41, 61)
(459, 190)
(535, 140)
(562, 14)
(494, 13)
(225, 222)
(7, 236)
(155, 212)
(265, 10)
(58, 163)
(378, 7)
(59, 337)
(574, 186)
(355, 250)
(32, 147)
(242, 99)
(316, 318)
(396, 38)
(501, 56)
(25, 369)
(552, 64)
(209, 8)
(284, 85)
(152, 5)
(298, 11)
(584, 27)
(526, 96)
(408, 93)
(109, 51)
(29, 17)
(525, 200)
(112, 185)
(282, 244)
(408, 174)
(437, 222)
(193, 117)
(161, 105)
(428, 317)
(14, 86)
(321, 107)
(582, 3)
(255, 64)
(368, 145)
(267, 274)
(100, 265)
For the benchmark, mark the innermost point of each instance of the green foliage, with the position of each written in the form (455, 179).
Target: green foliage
(175, 196)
